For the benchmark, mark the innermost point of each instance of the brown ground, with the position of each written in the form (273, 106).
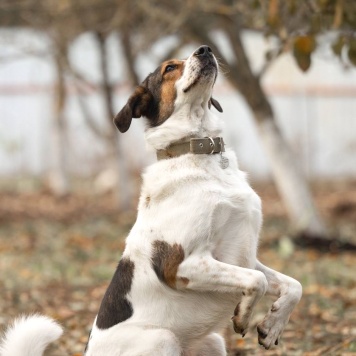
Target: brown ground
(57, 257)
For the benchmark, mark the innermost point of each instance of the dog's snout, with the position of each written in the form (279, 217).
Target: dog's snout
(203, 51)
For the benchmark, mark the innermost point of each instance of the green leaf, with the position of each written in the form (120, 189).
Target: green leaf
(337, 46)
(303, 61)
(351, 53)
(304, 44)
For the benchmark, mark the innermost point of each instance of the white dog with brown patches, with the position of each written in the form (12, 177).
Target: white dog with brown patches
(190, 259)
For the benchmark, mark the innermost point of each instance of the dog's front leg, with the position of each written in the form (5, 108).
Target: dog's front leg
(288, 292)
(204, 273)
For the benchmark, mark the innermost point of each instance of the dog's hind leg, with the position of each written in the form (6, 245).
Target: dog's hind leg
(157, 342)
(288, 292)
(210, 345)
(167, 345)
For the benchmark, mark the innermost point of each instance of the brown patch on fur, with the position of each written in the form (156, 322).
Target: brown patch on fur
(147, 201)
(154, 98)
(168, 90)
(237, 310)
(166, 259)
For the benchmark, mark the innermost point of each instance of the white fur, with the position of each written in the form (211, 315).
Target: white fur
(215, 216)
(29, 336)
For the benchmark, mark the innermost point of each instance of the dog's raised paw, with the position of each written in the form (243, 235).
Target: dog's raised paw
(269, 333)
(261, 333)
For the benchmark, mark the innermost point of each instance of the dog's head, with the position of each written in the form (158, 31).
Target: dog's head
(175, 83)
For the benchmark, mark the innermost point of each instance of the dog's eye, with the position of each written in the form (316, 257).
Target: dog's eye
(169, 68)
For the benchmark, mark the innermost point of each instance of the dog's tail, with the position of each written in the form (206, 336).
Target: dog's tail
(29, 336)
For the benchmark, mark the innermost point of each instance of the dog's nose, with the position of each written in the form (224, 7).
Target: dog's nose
(203, 51)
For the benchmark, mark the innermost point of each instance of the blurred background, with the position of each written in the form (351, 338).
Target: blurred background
(69, 182)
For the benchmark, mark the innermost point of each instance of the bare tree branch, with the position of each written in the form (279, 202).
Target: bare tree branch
(129, 56)
(106, 86)
(90, 120)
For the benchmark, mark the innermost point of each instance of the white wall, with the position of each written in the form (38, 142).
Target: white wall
(316, 111)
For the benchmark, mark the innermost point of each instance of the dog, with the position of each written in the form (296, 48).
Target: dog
(190, 259)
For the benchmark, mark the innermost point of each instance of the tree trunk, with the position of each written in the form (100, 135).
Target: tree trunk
(288, 177)
(129, 56)
(123, 193)
(58, 176)
(290, 181)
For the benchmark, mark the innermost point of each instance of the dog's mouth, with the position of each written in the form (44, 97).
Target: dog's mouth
(206, 72)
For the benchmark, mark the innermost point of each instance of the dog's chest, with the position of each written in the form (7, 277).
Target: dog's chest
(193, 201)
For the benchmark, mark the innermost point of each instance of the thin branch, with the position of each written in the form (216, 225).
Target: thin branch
(79, 82)
(269, 61)
(129, 56)
(106, 86)
(90, 120)
(172, 53)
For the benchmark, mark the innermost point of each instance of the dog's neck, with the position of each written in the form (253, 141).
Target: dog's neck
(187, 121)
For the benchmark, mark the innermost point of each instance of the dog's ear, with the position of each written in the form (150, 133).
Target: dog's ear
(216, 104)
(136, 106)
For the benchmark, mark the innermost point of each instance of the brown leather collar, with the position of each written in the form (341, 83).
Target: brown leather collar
(206, 145)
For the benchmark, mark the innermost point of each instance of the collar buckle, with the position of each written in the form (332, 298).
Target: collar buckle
(212, 145)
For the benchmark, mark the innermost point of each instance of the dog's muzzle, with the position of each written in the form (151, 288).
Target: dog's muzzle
(205, 55)
(201, 65)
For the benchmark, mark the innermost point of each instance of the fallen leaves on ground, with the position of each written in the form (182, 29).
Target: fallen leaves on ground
(58, 256)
